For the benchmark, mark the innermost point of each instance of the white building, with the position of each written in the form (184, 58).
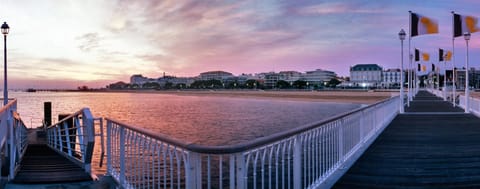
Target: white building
(271, 80)
(138, 79)
(217, 75)
(319, 77)
(366, 75)
(290, 76)
(391, 78)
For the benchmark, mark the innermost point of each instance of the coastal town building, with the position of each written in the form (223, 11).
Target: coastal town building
(391, 78)
(217, 75)
(271, 80)
(138, 79)
(319, 77)
(366, 75)
(290, 76)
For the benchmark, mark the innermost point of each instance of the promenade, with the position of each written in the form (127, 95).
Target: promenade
(432, 145)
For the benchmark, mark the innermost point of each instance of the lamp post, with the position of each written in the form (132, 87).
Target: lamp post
(401, 35)
(467, 38)
(5, 29)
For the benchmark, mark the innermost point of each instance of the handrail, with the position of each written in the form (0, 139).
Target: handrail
(74, 137)
(227, 149)
(311, 156)
(14, 133)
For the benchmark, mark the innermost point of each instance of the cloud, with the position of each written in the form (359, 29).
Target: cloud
(88, 42)
(337, 8)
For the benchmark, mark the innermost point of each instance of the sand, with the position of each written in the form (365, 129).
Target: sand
(363, 97)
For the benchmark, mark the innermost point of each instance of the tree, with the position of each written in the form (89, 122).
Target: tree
(151, 85)
(299, 84)
(281, 84)
(333, 83)
(252, 84)
(168, 85)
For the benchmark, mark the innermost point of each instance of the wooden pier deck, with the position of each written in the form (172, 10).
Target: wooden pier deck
(43, 165)
(432, 145)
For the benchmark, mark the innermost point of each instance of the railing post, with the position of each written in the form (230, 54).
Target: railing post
(109, 148)
(194, 171)
(232, 171)
(340, 141)
(67, 138)
(297, 162)
(89, 134)
(60, 143)
(122, 156)
(12, 155)
(241, 172)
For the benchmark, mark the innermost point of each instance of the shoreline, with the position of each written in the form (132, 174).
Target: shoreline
(333, 96)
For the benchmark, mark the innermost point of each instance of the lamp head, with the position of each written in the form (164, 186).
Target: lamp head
(5, 28)
(467, 35)
(402, 34)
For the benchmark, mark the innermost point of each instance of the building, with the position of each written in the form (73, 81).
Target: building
(391, 78)
(217, 75)
(290, 76)
(366, 75)
(271, 80)
(138, 79)
(319, 77)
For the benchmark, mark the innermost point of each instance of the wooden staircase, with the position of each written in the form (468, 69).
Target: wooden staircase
(41, 164)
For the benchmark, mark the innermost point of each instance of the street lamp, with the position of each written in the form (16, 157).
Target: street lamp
(401, 35)
(5, 29)
(467, 38)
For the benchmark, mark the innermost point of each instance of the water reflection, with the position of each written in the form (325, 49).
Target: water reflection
(198, 119)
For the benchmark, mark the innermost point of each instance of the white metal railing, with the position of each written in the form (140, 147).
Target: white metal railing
(74, 137)
(312, 156)
(436, 92)
(474, 104)
(13, 137)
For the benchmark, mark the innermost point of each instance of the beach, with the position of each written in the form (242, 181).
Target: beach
(340, 96)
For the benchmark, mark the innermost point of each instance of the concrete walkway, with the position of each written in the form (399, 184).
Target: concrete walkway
(432, 145)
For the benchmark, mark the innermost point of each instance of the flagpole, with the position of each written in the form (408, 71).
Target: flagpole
(444, 78)
(454, 88)
(410, 61)
(467, 38)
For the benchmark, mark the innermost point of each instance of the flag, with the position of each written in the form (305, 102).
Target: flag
(417, 55)
(420, 25)
(448, 56)
(440, 55)
(464, 23)
(425, 56)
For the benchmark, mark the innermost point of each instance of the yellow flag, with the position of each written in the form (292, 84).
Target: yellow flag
(449, 56)
(426, 57)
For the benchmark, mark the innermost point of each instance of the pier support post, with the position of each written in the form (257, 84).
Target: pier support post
(47, 113)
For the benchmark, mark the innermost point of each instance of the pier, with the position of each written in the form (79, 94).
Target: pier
(433, 144)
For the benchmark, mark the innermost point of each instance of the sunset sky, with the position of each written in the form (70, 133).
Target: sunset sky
(67, 43)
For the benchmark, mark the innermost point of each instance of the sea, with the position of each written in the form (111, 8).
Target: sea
(205, 120)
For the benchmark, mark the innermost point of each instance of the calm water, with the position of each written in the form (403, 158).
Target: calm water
(198, 119)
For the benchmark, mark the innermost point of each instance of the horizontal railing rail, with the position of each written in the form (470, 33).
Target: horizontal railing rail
(74, 137)
(306, 157)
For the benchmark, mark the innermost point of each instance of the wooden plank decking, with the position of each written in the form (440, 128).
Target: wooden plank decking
(43, 165)
(432, 145)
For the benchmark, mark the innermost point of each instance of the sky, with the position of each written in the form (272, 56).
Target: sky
(69, 43)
